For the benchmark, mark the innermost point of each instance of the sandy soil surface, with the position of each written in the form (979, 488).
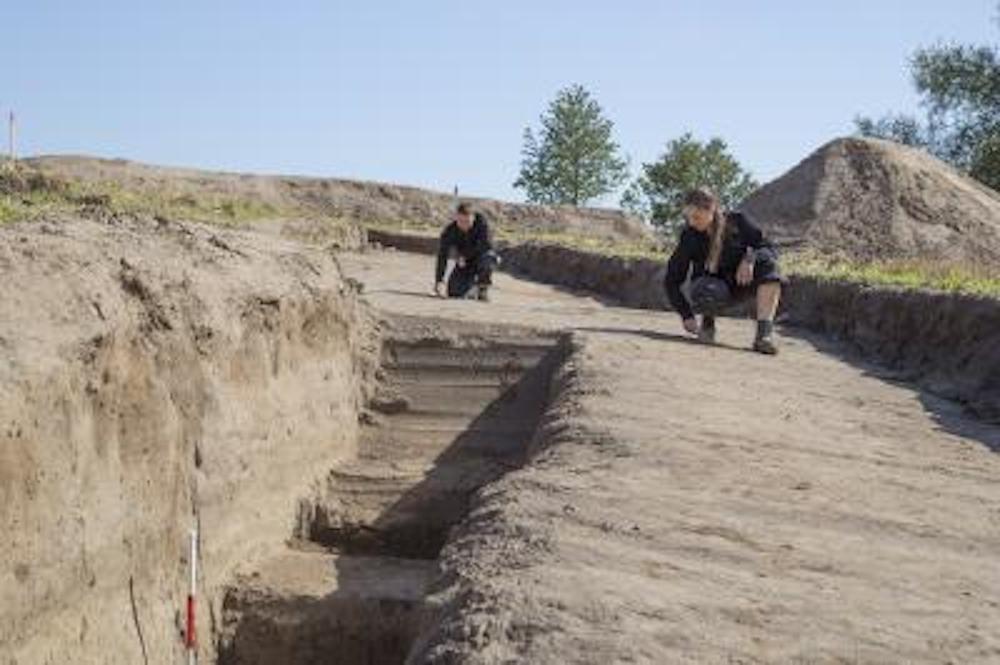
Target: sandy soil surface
(864, 199)
(709, 505)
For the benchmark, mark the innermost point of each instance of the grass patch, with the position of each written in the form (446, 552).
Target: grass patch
(207, 208)
(27, 194)
(8, 211)
(595, 245)
(906, 274)
(602, 246)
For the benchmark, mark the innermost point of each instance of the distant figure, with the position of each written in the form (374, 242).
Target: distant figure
(730, 260)
(468, 236)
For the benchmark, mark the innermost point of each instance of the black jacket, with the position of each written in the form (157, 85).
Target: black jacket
(470, 245)
(692, 252)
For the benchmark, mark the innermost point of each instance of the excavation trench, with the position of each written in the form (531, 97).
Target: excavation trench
(449, 417)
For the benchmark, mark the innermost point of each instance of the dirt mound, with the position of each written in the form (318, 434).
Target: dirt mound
(868, 199)
(363, 202)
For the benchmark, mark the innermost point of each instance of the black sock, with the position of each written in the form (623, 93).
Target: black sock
(764, 329)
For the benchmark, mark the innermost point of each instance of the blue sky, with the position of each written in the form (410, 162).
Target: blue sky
(437, 93)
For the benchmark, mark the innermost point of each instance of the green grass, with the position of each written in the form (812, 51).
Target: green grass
(8, 210)
(208, 208)
(26, 194)
(603, 246)
(908, 274)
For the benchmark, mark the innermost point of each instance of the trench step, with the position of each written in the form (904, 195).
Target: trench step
(352, 587)
(307, 608)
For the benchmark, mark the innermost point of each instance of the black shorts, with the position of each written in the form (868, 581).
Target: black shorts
(477, 271)
(714, 294)
(765, 271)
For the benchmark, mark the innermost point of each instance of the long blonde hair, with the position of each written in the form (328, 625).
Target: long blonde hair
(705, 200)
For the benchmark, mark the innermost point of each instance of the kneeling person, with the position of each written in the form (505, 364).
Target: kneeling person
(729, 260)
(468, 236)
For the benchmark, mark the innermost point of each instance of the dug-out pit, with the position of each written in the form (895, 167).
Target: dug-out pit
(451, 414)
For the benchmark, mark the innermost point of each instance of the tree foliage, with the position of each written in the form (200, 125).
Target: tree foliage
(959, 87)
(574, 158)
(659, 191)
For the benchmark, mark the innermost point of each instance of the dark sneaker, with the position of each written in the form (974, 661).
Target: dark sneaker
(765, 345)
(707, 335)
(483, 295)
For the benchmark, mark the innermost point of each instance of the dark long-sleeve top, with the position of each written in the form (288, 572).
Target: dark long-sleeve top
(470, 245)
(692, 252)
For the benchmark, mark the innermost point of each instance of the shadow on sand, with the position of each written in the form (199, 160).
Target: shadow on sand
(949, 415)
(659, 336)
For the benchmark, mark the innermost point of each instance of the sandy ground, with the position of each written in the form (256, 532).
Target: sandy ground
(711, 505)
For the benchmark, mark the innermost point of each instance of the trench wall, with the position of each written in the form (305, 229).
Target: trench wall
(155, 376)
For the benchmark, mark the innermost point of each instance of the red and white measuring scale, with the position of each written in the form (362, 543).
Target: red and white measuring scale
(190, 636)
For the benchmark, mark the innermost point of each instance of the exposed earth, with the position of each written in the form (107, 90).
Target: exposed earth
(695, 504)
(865, 199)
(381, 476)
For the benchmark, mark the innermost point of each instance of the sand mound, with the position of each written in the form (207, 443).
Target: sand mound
(870, 199)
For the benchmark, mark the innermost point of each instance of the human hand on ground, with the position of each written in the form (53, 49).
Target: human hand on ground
(744, 274)
(691, 325)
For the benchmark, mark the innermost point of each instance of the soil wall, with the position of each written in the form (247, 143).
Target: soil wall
(155, 376)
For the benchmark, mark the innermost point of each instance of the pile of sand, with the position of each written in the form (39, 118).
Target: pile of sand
(869, 199)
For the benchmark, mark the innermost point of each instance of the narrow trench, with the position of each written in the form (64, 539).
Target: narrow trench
(447, 419)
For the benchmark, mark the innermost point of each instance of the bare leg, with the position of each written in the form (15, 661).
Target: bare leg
(768, 296)
(767, 304)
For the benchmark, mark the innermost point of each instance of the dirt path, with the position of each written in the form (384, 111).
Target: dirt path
(710, 505)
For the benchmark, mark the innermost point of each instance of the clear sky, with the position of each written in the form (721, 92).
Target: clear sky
(438, 92)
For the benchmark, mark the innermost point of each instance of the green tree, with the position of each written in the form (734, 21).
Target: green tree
(658, 192)
(959, 87)
(574, 158)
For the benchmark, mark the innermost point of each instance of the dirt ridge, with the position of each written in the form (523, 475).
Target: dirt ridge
(353, 200)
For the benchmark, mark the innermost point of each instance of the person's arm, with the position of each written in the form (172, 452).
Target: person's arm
(754, 239)
(444, 246)
(484, 240)
(677, 271)
(750, 232)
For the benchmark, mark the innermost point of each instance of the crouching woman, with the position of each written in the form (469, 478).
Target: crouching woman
(729, 260)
